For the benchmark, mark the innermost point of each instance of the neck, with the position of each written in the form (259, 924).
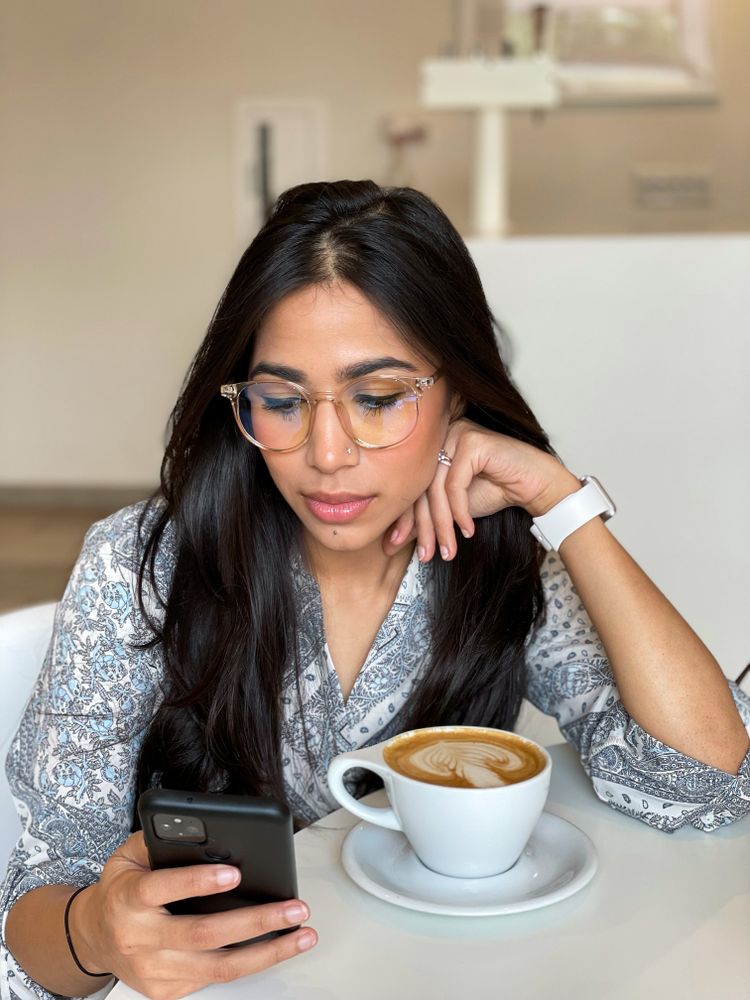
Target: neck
(360, 574)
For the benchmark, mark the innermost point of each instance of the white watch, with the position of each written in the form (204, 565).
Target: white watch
(552, 528)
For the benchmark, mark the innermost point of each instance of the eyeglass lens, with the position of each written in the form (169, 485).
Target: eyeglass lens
(277, 415)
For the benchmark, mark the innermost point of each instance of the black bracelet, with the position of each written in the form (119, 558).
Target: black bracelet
(86, 972)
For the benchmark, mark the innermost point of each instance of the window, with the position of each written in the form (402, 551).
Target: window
(625, 52)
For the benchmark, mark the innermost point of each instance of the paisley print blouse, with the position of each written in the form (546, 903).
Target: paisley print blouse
(71, 766)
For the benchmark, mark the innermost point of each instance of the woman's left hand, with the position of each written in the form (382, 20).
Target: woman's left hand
(490, 471)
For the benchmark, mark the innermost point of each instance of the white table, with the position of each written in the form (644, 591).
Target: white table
(665, 915)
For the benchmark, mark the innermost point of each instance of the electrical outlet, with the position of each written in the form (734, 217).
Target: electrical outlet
(278, 143)
(672, 186)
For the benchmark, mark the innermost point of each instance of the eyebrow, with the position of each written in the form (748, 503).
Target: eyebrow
(357, 370)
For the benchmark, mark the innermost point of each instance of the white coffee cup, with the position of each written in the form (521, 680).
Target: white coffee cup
(463, 832)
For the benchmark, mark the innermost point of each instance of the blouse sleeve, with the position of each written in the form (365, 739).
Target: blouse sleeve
(71, 765)
(569, 677)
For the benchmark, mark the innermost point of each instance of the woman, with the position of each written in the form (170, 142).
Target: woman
(282, 599)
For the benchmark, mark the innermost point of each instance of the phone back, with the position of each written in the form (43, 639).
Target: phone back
(252, 833)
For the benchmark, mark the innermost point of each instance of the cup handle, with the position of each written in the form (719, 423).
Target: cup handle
(379, 815)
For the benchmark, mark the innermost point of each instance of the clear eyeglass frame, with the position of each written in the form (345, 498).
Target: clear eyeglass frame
(232, 390)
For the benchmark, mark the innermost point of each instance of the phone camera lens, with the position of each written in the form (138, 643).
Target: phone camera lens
(218, 855)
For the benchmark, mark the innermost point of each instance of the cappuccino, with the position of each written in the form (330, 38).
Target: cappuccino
(468, 757)
(465, 797)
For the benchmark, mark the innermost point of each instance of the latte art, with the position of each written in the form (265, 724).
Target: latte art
(475, 765)
(472, 758)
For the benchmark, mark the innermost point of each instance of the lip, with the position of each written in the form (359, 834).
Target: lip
(336, 498)
(347, 507)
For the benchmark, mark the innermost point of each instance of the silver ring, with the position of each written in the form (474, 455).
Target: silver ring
(444, 458)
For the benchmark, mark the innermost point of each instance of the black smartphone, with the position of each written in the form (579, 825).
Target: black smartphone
(254, 834)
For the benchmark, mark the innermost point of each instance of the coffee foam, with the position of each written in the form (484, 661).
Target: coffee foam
(469, 759)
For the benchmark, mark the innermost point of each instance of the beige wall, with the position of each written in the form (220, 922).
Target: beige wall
(116, 187)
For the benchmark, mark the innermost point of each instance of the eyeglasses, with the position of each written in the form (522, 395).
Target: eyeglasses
(375, 412)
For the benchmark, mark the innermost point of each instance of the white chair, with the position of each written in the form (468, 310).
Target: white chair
(24, 638)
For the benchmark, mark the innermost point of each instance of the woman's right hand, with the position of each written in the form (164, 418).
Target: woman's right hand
(121, 925)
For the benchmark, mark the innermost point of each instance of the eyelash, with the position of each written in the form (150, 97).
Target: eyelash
(283, 409)
(383, 403)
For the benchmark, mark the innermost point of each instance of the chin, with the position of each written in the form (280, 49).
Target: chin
(342, 544)
(348, 537)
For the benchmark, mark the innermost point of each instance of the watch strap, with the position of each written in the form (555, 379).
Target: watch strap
(551, 529)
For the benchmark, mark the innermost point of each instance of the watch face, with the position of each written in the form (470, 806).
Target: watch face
(612, 508)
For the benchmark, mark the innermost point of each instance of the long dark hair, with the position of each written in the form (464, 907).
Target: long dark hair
(229, 622)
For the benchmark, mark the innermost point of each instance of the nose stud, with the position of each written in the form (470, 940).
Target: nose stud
(348, 451)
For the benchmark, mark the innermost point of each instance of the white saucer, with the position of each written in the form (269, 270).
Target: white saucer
(558, 860)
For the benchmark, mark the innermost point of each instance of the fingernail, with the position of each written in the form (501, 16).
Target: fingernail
(444, 551)
(306, 940)
(296, 913)
(394, 535)
(465, 533)
(226, 876)
(421, 553)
